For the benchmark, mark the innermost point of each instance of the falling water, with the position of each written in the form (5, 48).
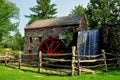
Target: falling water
(87, 43)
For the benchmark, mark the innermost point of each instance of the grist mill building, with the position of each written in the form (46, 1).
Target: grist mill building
(55, 35)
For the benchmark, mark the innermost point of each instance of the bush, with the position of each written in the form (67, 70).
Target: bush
(9, 50)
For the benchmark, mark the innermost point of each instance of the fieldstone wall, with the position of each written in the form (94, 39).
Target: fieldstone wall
(110, 38)
(44, 34)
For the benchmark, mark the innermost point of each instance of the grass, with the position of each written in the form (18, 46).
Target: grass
(12, 73)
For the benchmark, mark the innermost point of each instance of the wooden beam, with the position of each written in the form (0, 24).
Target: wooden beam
(88, 70)
(103, 52)
(73, 60)
(56, 60)
(63, 54)
(85, 61)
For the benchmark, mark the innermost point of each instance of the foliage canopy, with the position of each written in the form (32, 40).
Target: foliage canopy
(103, 11)
(100, 11)
(9, 17)
(8, 11)
(77, 10)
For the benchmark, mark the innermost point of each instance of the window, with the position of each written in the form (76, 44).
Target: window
(40, 39)
(31, 40)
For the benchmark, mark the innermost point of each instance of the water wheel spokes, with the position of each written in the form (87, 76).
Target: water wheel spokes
(52, 46)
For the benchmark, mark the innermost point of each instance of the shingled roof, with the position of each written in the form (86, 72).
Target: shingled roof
(67, 20)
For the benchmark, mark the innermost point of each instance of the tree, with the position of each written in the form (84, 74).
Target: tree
(8, 11)
(115, 11)
(19, 41)
(15, 42)
(77, 10)
(43, 10)
(102, 11)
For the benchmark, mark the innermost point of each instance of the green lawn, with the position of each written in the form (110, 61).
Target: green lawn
(9, 73)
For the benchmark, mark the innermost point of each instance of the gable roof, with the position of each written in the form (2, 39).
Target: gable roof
(67, 20)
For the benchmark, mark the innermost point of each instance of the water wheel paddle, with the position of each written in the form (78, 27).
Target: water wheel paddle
(52, 45)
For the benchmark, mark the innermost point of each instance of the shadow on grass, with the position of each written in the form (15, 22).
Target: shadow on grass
(115, 72)
(50, 73)
(53, 74)
(25, 70)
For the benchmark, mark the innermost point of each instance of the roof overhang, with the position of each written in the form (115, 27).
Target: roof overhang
(45, 27)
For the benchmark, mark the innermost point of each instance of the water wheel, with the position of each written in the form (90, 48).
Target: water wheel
(52, 45)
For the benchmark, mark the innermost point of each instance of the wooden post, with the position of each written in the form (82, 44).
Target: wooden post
(79, 69)
(103, 52)
(40, 61)
(73, 60)
(6, 55)
(19, 60)
(118, 59)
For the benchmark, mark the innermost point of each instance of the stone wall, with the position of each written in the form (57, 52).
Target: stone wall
(44, 34)
(110, 38)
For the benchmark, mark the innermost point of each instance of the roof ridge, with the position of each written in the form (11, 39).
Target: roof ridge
(58, 21)
(60, 17)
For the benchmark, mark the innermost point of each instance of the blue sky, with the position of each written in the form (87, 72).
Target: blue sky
(63, 8)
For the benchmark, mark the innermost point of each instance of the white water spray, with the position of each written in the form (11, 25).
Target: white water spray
(87, 43)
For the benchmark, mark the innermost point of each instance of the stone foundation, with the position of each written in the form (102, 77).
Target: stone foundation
(110, 38)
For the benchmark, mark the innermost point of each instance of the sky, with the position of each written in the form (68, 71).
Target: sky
(63, 9)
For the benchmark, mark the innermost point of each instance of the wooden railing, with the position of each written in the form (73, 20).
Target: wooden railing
(64, 62)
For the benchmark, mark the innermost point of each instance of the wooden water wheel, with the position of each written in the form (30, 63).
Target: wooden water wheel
(52, 45)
